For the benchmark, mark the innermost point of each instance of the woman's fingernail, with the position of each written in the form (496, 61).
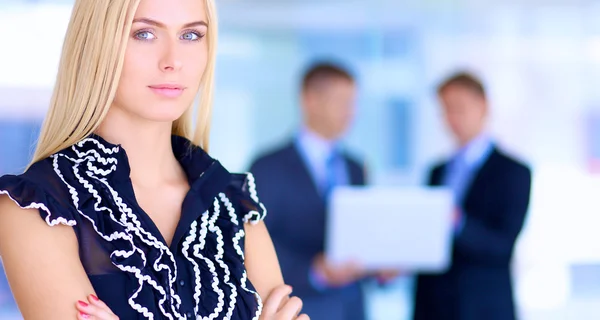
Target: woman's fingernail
(94, 297)
(84, 315)
(83, 304)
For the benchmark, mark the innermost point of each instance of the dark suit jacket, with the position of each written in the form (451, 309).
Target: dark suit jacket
(478, 283)
(296, 222)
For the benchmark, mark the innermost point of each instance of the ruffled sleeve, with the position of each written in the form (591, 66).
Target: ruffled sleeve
(249, 206)
(30, 195)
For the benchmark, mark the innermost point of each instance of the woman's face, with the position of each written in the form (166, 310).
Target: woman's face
(165, 58)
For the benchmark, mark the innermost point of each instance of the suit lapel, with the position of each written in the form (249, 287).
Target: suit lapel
(479, 178)
(438, 175)
(354, 174)
(303, 178)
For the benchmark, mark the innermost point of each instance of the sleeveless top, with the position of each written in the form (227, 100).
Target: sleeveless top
(201, 275)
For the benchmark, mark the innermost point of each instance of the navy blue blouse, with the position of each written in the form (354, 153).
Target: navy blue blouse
(201, 275)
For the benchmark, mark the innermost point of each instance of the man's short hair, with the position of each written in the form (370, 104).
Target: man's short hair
(465, 80)
(318, 73)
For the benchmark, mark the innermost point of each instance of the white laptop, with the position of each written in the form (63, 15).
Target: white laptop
(409, 228)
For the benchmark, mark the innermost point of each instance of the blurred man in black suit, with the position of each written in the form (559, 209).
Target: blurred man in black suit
(491, 193)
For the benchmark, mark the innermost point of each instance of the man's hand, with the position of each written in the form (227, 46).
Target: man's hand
(337, 275)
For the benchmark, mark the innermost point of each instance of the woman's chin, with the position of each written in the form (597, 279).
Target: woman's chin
(162, 113)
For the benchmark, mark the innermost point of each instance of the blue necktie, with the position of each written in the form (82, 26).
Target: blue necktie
(458, 177)
(331, 173)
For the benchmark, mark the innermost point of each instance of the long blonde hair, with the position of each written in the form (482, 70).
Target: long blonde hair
(89, 72)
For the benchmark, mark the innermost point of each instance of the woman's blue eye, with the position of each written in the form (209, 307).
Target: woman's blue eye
(145, 35)
(191, 36)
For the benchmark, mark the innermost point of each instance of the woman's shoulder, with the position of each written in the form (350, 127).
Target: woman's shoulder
(243, 189)
(39, 187)
(212, 180)
(39, 175)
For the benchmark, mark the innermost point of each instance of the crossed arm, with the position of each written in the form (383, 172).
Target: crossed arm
(47, 278)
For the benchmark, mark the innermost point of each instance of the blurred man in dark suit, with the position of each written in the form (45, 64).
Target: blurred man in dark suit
(294, 182)
(491, 191)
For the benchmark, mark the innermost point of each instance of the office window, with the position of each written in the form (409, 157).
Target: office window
(17, 143)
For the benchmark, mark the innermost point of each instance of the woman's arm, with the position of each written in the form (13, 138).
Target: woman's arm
(265, 274)
(261, 260)
(41, 263)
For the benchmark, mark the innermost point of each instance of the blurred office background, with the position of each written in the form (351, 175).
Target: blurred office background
(539, 58)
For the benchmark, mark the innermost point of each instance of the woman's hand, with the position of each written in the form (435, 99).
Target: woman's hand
(279, 306)
(94, 310)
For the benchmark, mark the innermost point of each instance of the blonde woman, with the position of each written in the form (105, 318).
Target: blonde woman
(137, 220)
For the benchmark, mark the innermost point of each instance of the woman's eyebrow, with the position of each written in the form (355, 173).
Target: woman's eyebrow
(162, 25)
